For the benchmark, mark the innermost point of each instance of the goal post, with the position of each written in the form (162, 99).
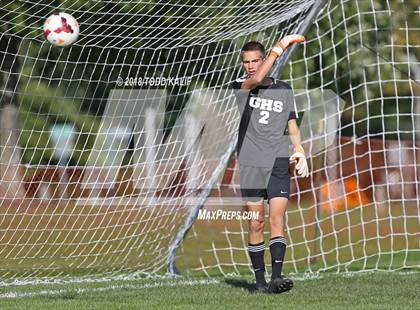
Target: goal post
(299, 28)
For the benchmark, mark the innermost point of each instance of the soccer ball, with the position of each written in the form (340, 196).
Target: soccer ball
(61, 29)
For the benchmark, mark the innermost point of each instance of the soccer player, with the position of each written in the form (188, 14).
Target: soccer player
(268, 124)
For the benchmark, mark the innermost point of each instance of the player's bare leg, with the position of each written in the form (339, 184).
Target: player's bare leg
(256, 246)
(256, 227)
(277, 211)
(278, 206)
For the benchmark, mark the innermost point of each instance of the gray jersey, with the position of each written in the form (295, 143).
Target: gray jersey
(266, 135)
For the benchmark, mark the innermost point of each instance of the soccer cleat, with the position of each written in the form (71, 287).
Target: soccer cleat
(280, 285)
(260, 288)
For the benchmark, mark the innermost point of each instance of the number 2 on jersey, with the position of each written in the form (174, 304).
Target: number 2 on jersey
(264, 117)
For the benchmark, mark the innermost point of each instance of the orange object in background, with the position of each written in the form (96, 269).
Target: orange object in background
(343, 195)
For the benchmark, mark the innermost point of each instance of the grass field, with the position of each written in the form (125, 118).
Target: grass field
(75, 240)
(329, 291)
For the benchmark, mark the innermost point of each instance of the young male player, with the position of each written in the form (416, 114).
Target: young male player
(268, 124)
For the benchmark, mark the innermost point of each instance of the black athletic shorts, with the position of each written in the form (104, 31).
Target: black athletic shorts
(267, 183)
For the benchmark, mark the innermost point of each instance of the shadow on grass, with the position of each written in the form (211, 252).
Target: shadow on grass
(66, 295)
(243, 284)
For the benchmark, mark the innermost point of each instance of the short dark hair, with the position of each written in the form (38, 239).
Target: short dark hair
(253, 46)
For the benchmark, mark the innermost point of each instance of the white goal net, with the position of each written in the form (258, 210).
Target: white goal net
(110, 147)
(359, 211)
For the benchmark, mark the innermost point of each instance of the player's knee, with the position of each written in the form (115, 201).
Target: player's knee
(257, 225)
(277, 221)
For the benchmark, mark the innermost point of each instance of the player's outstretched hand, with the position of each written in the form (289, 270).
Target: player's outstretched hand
(302, 165)
(285, 43)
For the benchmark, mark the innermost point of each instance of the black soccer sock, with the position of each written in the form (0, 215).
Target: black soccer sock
(256, 253)
(277, 250)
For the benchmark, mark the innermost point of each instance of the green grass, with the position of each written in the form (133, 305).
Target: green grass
(329, 291)
(73, 240)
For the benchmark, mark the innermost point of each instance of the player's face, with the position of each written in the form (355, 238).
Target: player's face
(251, 60)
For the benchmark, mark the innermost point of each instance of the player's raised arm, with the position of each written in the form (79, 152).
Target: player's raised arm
(251, 58)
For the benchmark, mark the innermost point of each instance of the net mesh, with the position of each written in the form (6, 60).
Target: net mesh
(99, 160)
(104, 167)
(359, 209)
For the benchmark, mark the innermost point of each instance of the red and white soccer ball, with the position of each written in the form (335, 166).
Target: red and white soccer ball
(61, 29)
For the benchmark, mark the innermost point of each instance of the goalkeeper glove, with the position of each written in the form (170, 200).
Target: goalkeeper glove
(284, 43)
(302, 165)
